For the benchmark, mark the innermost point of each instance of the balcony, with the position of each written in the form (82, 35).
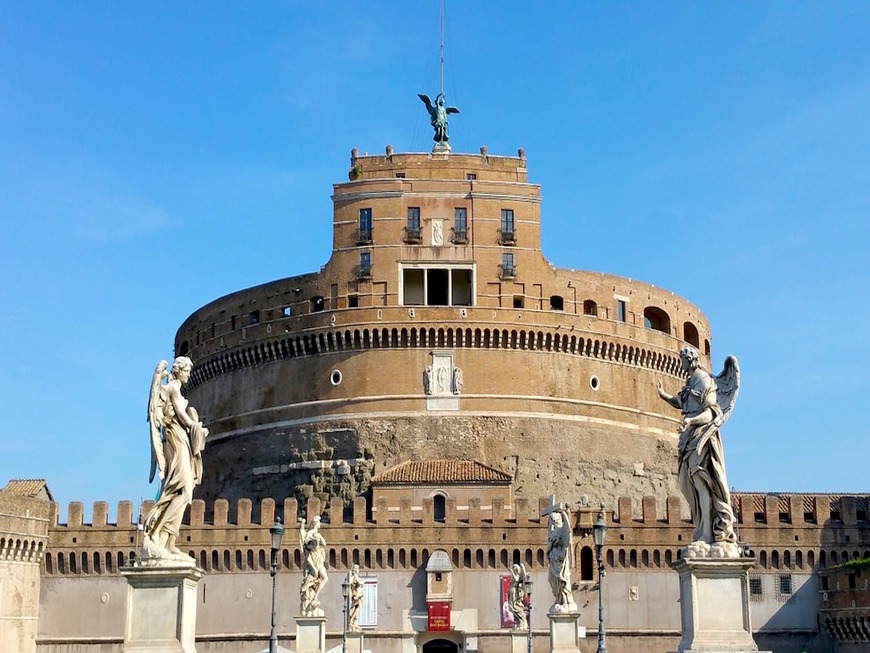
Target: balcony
(507, 271)
(364, 237)
(364, 272)
(507, 237)
(412, 236)
(459, 237)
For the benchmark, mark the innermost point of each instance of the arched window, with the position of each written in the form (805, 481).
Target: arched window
(590, 308)
(557, 303)
(316, 304)
(440, 507)
(690, 334)
(586, 563)
(656, 319)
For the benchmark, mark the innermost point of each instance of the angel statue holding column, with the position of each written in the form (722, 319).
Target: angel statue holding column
(706, 403)
(438, 113)
(177, 441)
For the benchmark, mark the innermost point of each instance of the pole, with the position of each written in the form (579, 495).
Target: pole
(344, 616)
(441, 6)
(529, 618)
(273, 636)
(601, 648)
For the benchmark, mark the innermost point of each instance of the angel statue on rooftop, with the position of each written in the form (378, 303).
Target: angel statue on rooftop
(177, 440)
(706, 403)
(438, 113)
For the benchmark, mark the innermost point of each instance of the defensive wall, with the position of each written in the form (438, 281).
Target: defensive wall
(436, 260)
(793, 537)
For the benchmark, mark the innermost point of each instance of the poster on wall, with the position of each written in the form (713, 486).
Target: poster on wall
(438, 613)
(368, 609)
(507, 617)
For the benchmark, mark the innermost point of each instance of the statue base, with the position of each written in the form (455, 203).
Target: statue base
(161, 608)
(564, 632)
(355, 642)
(519, 641)
(441, 148)
(714, 605)
(310, 634)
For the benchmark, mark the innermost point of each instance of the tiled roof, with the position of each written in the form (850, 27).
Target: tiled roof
(442, 471)
(27, 487)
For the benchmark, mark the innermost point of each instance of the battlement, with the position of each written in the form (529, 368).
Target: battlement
(757, 509)
(425, 165)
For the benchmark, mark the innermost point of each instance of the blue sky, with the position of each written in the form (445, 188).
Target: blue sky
(155, 157)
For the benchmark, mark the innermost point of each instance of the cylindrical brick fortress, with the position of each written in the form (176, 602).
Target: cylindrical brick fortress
(438, 330)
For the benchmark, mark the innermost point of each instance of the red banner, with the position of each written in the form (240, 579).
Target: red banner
(439, 616)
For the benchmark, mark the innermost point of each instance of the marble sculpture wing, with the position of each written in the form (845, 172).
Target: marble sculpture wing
(155, 420)
(727, 385)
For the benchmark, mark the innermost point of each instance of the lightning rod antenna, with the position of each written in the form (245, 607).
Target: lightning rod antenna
(441, 7)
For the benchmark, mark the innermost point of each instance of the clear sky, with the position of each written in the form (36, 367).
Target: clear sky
(155, 156)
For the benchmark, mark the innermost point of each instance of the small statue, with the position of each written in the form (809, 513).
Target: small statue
(427, 380)
(355, 597)
(517, 597)
(177, 440)
(706, 403)
(457, 380)
(313, 567)
(559, 556)
(438, 116)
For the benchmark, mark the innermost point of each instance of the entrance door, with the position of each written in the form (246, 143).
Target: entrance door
(440, 646)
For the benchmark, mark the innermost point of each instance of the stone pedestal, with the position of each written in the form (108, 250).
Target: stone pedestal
(355, 642)
(310, 634)
(564, 635)
(714, 605)
(519, 641)
(161, 609)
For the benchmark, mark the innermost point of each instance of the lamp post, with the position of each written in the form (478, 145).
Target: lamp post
(527, 585)
(345, 592)
(276, 532)
(599, 531)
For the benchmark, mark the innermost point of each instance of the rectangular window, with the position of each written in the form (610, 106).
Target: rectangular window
(471, 176)
(254, 318)
(460, 225)
(620, 310)
(352, 301)
(756, 587)
(507, 265)
(365, 225)
(437, 286)
(784, 587)
(287, 311)
(507, 221)
(400, 175)
(519, 301)
(233, 323)
(414, 218)
(412, 287)
(365, 264)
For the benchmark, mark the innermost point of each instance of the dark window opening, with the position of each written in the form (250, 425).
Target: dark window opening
(440, 507)
(437, 287)
(254, 318)
(586, 563)
(287, 311)
(853, 583)
(461, 287)
(690, 334)
(590, 308)
(233, 323)
(470, 176)
(519, 301)
(400, 175)
(707, 347)
(656, 319)
(557, 303)
(412, 287)
(621, 313)
(316, 304)
(353, 301)
(183, 349)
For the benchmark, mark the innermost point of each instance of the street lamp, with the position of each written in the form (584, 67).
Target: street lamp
(345, 592)
(276, 532)
(599, 531)
(527, 585)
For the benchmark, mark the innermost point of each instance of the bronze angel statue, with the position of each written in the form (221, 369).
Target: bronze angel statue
(438, 116)
(177, 440)
(706, 403)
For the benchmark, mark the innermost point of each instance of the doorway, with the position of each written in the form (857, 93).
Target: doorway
(440, 646)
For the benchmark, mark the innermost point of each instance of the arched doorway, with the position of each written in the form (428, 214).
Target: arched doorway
(440, 646)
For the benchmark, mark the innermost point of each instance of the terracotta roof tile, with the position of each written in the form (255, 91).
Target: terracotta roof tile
(27, 487)
(442, 471)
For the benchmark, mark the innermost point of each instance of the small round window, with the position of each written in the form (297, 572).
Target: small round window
(594, 383)
(335, 377)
